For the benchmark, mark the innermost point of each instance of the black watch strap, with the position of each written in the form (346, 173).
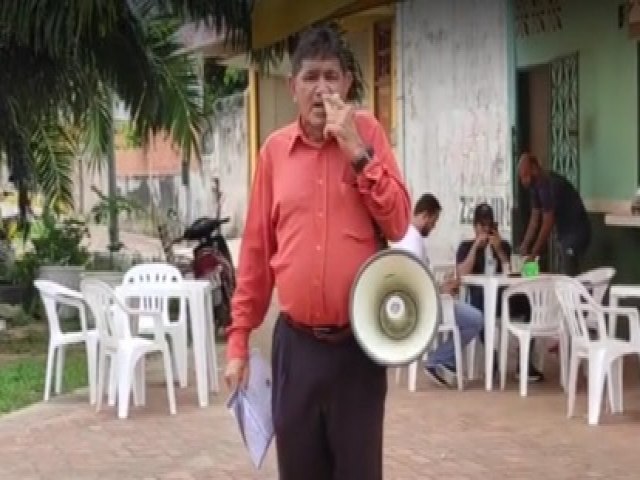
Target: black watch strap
(362, 160)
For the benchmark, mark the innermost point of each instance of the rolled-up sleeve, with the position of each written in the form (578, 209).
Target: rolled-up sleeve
(383, 190)
(254, 284)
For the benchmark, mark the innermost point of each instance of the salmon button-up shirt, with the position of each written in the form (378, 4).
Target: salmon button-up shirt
(309, 227)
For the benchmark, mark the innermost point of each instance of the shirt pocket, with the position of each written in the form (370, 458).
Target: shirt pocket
(356, 222)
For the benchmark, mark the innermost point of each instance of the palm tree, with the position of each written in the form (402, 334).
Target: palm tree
(63, 65)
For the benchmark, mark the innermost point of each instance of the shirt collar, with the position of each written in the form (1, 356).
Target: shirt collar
(297, 134)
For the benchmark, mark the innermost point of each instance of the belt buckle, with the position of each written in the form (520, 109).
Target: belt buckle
(323, 333)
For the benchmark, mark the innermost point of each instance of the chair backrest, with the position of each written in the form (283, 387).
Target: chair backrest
(540, 292)
(48, 291)
(108, 311)
(52, 293)
(597, 281)
(578, 306)
(152, 273)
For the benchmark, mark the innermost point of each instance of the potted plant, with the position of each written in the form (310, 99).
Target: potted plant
(57, 252)
(12, 288)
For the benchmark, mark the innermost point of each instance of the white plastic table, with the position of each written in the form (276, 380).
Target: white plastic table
(490, 285)
(198, 294)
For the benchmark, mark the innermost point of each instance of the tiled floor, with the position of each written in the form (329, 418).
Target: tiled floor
(433, 433)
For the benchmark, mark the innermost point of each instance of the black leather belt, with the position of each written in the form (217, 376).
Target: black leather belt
(328, 333)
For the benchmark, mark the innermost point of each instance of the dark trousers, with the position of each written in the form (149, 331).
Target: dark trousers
(328, 408)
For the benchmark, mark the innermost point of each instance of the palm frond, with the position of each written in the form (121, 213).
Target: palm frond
(54, 152)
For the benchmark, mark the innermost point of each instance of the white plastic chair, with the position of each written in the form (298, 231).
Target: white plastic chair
(447, 327)
(545, 322)
(126, 352)
(53, 295)
(604, 353)
(148, 274)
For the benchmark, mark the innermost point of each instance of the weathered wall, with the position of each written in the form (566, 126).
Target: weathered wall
(455, 111)
(230, 160)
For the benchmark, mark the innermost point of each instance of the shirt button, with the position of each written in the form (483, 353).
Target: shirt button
(318, 248)
(320, 214)
(320, 182)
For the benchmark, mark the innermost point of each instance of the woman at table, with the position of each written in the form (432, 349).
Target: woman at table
(470, 259)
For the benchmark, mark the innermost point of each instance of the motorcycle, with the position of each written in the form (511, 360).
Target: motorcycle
(212, 261)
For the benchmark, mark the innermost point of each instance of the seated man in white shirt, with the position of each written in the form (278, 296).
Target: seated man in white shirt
(441, 364)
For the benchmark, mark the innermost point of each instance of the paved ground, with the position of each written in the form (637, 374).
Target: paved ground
(433, 433)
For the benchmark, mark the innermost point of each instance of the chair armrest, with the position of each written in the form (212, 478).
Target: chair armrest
(72, 301)
(598, 312)
(632, 317)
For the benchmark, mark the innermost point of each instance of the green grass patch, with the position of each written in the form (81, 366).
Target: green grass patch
(22, 379)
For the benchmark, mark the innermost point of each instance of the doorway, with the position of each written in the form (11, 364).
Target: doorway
(534, 122)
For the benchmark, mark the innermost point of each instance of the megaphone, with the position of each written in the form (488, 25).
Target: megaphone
(394, 307)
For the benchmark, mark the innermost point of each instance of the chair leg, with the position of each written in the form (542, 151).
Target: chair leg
(563, 356)
(398, 374)
(139, 385)
(457, 346)
(471, 359)
(504, 351)
(614, 385)
(572, 384)
(596, 386)
(125, 365)
(168, 375)
(412, 376)
(525, 347)
(51, 356)
(113, 380)
(102, 373)
(92, 359)
(60, 369)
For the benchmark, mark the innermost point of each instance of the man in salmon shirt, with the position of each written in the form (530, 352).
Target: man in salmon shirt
(321, 183)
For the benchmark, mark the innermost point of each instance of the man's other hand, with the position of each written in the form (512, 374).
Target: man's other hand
(237, 373)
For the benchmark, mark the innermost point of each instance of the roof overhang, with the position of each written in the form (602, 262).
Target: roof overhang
(274, 20)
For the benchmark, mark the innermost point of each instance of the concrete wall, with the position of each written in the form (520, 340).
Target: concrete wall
(455, 111)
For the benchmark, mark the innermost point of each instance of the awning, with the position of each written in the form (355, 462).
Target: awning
(274, 20)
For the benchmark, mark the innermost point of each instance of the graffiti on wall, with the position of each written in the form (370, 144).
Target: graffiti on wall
(501, 205)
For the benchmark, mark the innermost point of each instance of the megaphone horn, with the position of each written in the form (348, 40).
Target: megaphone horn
(394, 307)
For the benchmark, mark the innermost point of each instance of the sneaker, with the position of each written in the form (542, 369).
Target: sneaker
(448, 373)
(434, 376)
(534, 374)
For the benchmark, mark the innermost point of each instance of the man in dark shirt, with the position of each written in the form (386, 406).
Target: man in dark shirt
(558, 203)
(470, 258)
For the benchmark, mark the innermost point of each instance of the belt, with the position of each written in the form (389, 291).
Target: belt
(327, 333)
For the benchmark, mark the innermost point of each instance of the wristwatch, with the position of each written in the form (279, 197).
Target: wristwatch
(361, 161)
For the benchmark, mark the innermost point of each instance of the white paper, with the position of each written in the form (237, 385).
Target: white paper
(252, 409)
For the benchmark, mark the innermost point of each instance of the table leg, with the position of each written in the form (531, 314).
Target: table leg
(490, 299)
(197, 306)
